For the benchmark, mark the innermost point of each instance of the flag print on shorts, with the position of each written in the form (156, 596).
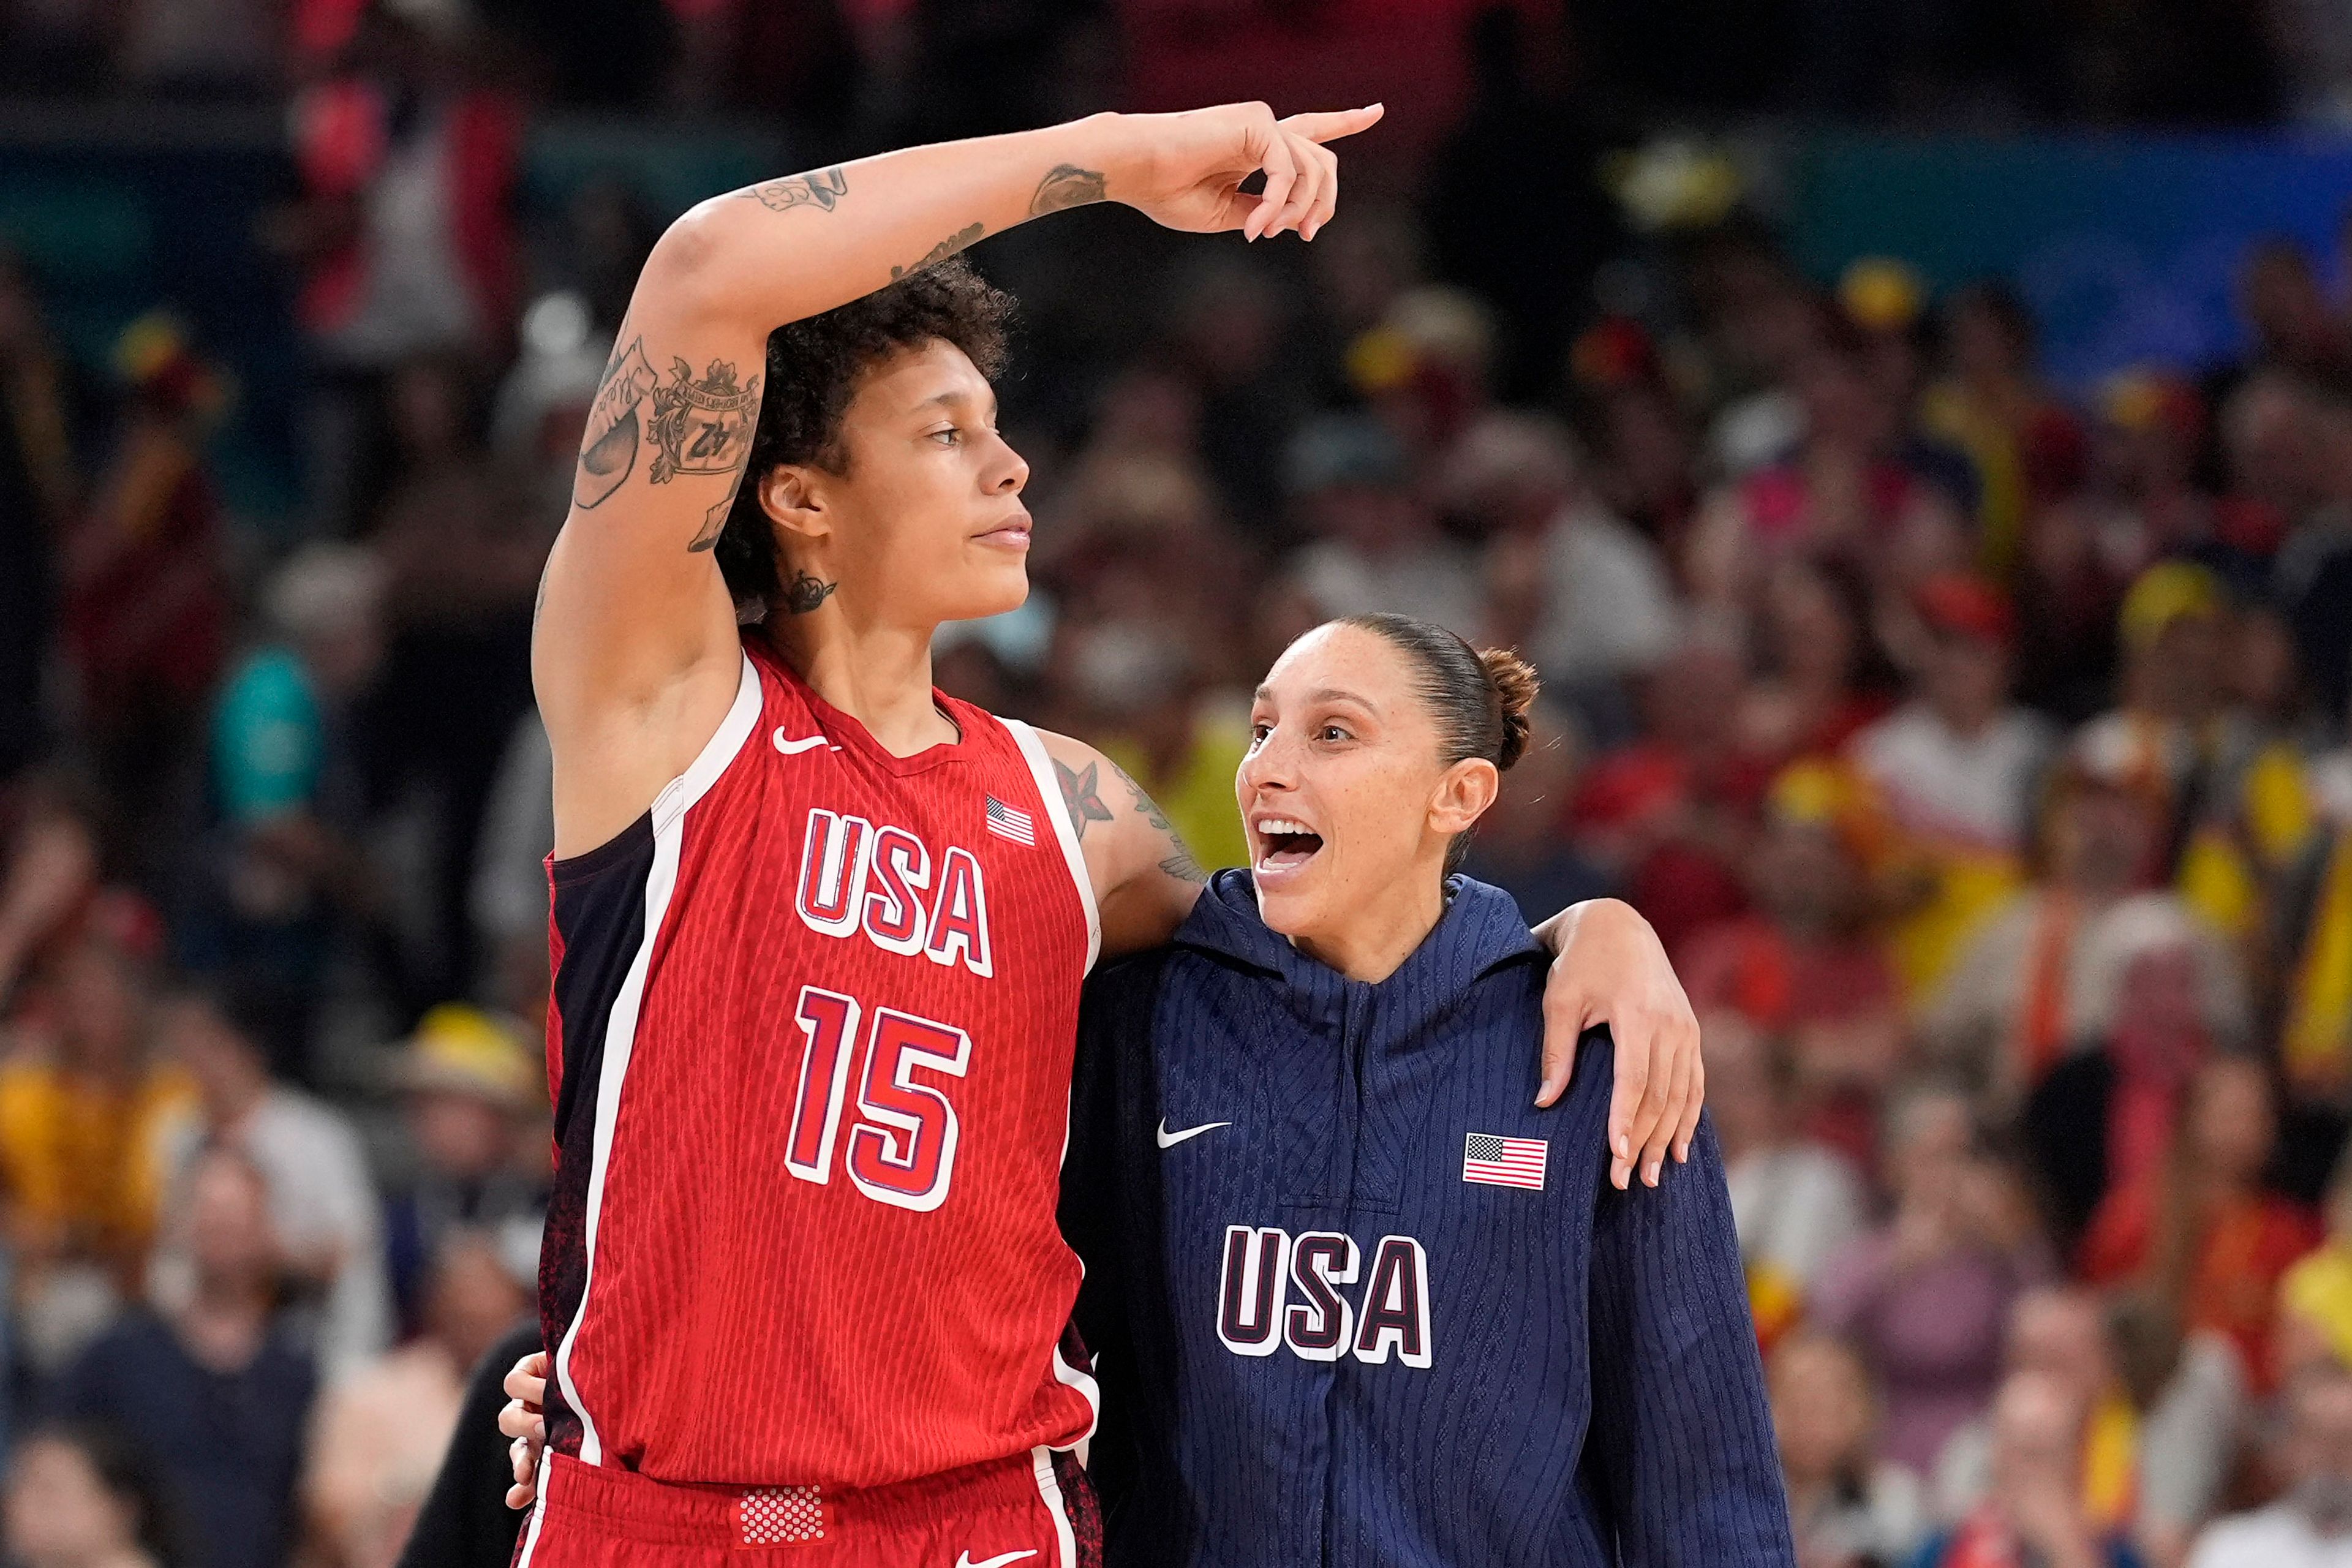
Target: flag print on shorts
(1503, 1162)
(1008, 822)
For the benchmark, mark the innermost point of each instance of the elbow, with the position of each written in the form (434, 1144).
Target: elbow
(683, 263)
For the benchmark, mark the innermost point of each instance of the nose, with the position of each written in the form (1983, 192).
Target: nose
(1010, 475)
(1267, 766)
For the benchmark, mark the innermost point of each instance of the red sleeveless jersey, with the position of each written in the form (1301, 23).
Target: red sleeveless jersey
(810, 1042)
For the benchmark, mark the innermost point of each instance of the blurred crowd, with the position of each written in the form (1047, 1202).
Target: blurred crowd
(1982, 749)
(912, 67)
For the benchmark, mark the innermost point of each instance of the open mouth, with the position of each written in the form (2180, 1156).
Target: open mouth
(1284, 844)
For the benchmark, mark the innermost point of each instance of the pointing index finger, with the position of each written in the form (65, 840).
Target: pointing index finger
(1330, 125)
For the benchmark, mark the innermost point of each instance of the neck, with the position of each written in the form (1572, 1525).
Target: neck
(879, 674)
(1381, 933)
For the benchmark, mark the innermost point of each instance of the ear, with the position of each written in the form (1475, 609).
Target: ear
(1462, 795)
(794, 497)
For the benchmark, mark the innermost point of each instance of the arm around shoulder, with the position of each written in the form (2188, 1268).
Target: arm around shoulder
(1145, 880)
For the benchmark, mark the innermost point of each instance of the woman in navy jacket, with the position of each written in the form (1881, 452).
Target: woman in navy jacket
(1354, 1299)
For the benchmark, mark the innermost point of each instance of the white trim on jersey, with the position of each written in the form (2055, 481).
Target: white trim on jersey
(538, 1509)
(1049, 790)
(1049, 1486)
(669, 810)
(1084, 1382)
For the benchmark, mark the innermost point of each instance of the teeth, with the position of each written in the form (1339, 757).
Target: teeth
(1283, 824)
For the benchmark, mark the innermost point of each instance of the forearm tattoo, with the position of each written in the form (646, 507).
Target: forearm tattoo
(960, 241)
(821, 189)
(1065, 185)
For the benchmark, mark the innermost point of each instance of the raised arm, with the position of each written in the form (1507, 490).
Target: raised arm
(634, 653)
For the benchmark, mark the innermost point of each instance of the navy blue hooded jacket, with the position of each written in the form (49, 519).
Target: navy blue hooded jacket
(1320, 1342)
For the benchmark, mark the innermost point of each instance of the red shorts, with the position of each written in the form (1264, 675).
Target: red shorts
(1036, 1510)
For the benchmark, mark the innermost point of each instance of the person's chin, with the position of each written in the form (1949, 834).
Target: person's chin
(1289, 904)
(996, 587)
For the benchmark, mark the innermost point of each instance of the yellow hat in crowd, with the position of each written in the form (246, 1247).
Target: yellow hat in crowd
(1881, 294)
(459, 1050)
(2167, 592)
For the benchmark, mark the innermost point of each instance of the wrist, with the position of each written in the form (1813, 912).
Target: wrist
(1115, 146)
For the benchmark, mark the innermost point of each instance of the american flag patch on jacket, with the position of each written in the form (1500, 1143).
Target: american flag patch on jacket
(1503, 1162)
(1007, 822)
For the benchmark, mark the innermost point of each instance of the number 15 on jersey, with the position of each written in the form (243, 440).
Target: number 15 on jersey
(902, 1145)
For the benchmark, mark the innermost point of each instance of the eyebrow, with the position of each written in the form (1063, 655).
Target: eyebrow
(1322, 694)
(953, 399)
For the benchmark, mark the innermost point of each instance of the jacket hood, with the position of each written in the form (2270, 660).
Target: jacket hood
(1481, 927)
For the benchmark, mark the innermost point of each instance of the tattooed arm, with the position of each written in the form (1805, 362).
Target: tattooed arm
(1145, 880)
(634, 651)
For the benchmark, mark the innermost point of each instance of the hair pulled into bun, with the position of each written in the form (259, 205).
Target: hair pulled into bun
(1512, 681)
(1479, 698)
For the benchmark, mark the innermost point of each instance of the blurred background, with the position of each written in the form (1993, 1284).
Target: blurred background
(1913, 438)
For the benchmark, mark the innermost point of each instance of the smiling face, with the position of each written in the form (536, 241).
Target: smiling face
(923, 521)
(1350, 803)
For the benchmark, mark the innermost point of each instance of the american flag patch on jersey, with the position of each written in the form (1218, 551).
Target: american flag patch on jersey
(1008, 822)
(1503, 1162)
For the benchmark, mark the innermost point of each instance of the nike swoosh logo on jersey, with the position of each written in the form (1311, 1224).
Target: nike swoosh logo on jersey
(1168, 1139)
(965, 1560)
(794, 748)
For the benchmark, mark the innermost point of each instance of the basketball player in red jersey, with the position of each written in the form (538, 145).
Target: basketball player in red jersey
(819, 931)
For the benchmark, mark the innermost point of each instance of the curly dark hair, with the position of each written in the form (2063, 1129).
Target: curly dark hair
(814, 369)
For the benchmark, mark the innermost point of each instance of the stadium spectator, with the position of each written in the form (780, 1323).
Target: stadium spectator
(2176, 737)
(2036, 982)
(1797, 1203)
(2024, 443)
(1824, 676)
(2033, 1512)
(2311, 1525)
(284, 869)
(404, 231)
(1807, 962)
(1953, 769)
(1522, 844)
(1374, 543)
(471, 1089)
(145, 575)
(83, 1103)
(2161, 998)
(1162, 722)
(379, 1434)
(218, 1385)
(2197, 1229)
(1846, 490)
(1570, 585)
(1848, 1510)
(1925, 1297)
(81, 1496)
(323, 1212)
(1667, 815)
(2155, 1453)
